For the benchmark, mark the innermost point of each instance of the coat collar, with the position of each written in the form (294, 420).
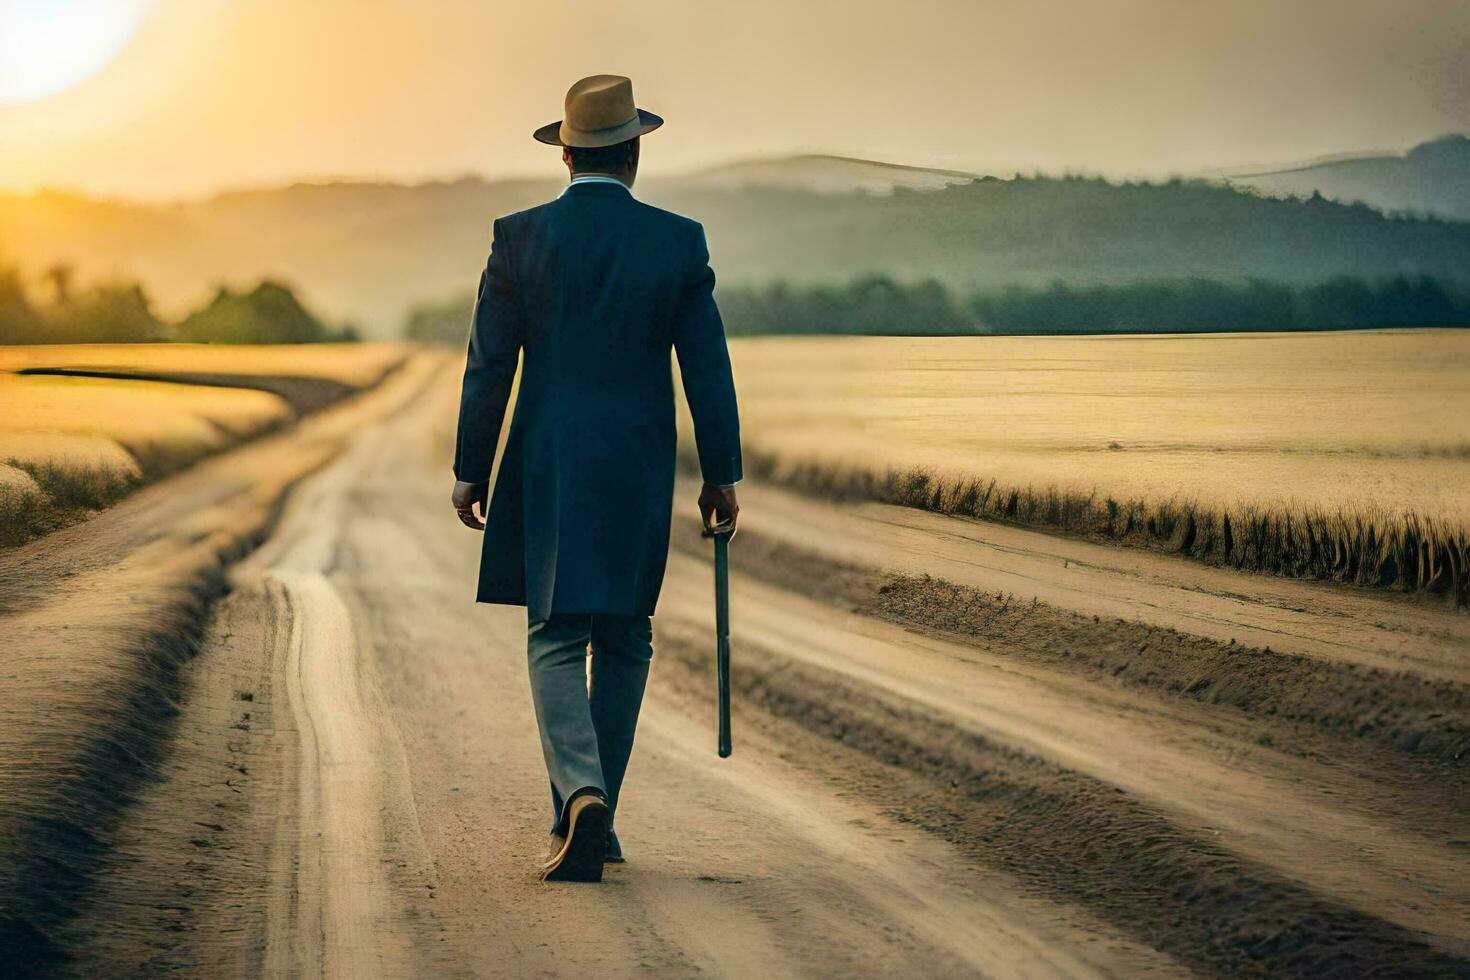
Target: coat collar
(604, 187)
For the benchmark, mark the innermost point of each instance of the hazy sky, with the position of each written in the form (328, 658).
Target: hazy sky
(213, 93)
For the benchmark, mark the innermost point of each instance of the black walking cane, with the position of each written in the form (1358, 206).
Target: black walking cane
(722, 533)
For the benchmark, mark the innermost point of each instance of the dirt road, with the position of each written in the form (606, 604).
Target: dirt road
(932, 777)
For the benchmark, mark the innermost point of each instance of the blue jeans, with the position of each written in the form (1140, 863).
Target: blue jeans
(587, 729)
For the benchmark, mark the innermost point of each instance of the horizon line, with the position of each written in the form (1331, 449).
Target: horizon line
(1224, 174)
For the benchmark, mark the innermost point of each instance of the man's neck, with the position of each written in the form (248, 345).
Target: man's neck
(625, 179)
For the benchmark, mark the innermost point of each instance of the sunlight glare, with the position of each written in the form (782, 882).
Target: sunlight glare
(48, 46)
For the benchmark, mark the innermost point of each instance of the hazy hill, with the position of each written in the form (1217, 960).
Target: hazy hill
(825, 175)
(369, 251)
(361, 251)
(1432, 178)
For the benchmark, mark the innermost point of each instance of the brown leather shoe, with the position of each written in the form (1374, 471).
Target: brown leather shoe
(581, 854)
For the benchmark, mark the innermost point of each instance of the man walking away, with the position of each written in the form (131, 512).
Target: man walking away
(592, 291)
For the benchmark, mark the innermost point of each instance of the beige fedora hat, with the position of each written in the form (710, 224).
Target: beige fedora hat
(600, 112)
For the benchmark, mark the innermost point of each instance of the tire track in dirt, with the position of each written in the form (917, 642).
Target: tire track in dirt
(1333, 623)
(1332, 705)
(323, 924)
(1075, 837)
(1271, 811)
(100, 620)
(333, 910)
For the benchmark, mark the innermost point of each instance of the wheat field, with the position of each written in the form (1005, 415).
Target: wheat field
(70, 444)
(1328, 455)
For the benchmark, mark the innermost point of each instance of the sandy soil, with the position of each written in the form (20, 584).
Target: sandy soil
(352, 785)
(97, 622)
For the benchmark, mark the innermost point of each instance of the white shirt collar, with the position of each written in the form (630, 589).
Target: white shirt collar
(594, 179)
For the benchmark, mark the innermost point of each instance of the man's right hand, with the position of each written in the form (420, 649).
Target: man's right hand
(464, 499)
(718, 507)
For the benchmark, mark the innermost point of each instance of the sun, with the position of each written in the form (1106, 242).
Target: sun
(48, 46)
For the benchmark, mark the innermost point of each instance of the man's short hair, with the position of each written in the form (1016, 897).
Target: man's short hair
(602, 159)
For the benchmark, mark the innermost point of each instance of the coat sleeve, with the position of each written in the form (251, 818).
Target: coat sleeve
(490, 369)
(704, 364)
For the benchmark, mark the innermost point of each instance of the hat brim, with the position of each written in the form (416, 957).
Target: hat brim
(555, 135)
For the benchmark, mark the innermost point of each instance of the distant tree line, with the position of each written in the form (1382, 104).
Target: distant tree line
(121, 313)
(871, 305)
(878, 305)
(868, 305)
(881, 306)
(1205, 306)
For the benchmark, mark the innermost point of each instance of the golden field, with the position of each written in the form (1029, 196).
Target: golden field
(1368, 421)
(70, 444)
(1337, 455)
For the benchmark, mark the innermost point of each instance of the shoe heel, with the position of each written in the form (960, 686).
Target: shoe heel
(586, 842)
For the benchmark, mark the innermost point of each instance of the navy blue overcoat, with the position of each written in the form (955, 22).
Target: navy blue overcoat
(590, 292)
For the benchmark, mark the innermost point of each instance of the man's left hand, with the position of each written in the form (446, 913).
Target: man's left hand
(465, 497)
(718, 507)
